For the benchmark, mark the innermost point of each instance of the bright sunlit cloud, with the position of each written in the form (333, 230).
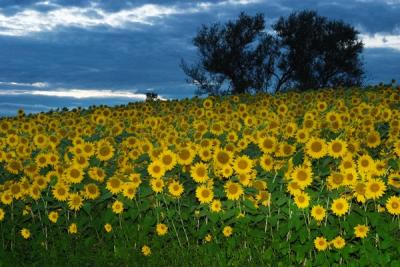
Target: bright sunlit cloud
(381, 41)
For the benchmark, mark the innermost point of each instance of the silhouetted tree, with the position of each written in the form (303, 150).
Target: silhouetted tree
(317, 52)
(234, 58)
(306, 51)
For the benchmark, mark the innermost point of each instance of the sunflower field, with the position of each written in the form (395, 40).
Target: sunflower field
(303, 179)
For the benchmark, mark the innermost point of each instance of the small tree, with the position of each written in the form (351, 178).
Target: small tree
(234, 58)
(318, 53)
(306, 51)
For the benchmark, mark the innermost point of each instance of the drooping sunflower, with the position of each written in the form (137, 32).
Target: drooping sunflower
(340, 206)
(157, 185)
(161, 229)
(204, 194)
(199, 172)
(302, 200)
(156, 169)
(320, 243)
(75, 201)
(243, 164)
(117, 207)
(393, 205)
(175, 188)
(375, 188)
(302, 175)
(316, 148)
(361, 230)
(233, 190)
(318, 213)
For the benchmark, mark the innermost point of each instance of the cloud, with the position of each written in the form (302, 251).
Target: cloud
(35, 84)
(381, 41)
(29, 21)
(76, 93)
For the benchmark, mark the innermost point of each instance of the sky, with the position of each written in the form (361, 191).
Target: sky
(69, 53)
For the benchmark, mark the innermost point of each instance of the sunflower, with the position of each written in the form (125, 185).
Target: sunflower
(40, 140)
(302, 136)
(73, 228)
(157, 185)
(393, 205)
(199, 172)
(53, 216)
(117, 207)
(335, 180)
(205, 154)
(337, 148)
(243, 164)
(361, 231)
(73, 174)
(365, 164)
(359, 191)
(60, 192)
(302, 200)
(340, 206)
(264, 197)
(91, 191)
(161, 229)
(338, 242)
(233, 190)
(75, 201)
(316, 148)
(114, 185)
(302, 175)
(320, 243)
(394, 179)
(208, 238)
(135, 179)
(204, 194)
(350, 177)
(146, 251)
(222, 157)
(168, 159)
(185, 156)
(227, 231)
(216, 205)
(396, 148)
(267, 162)
(108, 227)
(267, 144)
(104, 151)
(97, 174)
(375, 188)
(293, 188)
(14, 166)
(25, 233)
(129, 190)
(34, 192)
(318, 212)
(175, 188)
(156, 169)
(16, 190)
(373, 139)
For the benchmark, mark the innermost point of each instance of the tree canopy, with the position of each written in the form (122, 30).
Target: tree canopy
(304, 51)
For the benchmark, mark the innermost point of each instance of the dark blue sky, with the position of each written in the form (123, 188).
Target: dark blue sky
(131, 46)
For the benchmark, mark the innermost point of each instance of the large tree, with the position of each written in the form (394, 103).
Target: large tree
(317, 52)
(305, 51)
(237, 57)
